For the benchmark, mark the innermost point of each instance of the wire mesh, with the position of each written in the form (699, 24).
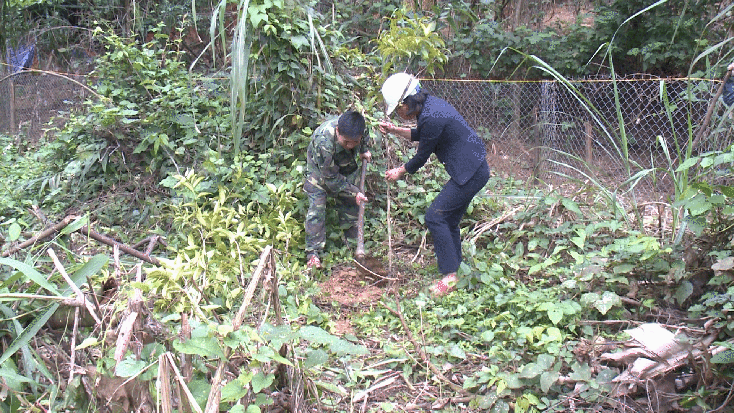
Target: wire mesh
(34, 101)
(543, 130)
(554, 130)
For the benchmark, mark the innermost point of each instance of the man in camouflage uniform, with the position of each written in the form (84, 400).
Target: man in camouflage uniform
(332, 170)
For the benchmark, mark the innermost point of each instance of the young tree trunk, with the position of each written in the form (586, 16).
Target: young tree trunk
(127, 12)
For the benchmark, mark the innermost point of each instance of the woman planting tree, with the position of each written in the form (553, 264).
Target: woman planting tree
(440, 129)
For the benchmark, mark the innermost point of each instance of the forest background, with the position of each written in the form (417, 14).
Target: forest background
(152, 251)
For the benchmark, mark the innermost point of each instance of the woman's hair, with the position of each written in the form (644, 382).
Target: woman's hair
(415, 103)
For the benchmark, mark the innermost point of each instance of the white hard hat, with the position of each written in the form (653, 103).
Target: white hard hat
(396, 88)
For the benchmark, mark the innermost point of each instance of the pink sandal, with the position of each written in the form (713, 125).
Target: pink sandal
(446, 285)
(313, 262)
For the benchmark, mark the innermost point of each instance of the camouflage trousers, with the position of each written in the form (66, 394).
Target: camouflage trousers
(347, 208)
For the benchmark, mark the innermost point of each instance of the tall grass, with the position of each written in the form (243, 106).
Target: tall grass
(241, 45)
(615, 133)
(242, 60)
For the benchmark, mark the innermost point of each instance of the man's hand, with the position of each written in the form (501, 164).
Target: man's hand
(395, 173)
(360, 198)
(367, 156)
(731, 67)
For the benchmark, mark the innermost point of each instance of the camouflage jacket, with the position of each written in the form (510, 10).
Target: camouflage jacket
(329, 163)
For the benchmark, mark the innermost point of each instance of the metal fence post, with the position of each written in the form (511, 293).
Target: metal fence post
(589, 139)
(538, 144)
(11, 86)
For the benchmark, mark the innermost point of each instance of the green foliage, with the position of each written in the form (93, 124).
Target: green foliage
(220, 233)
(13, 25)
(156, 108)
(24, 285)
(357, 19)
(24, 177)
(151, 117)
(661, 41)
(288, 82)
(411, 42)
(708, 198)
(484, 47)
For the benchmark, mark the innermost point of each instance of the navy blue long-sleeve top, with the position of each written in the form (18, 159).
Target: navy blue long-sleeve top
(443, 131)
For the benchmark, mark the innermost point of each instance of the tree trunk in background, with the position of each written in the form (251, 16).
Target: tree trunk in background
(127, 12)
(419, 4)
(519, 8)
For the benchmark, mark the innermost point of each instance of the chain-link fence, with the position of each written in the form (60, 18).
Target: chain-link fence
(548, 130)
(34, 101)
(534, 130)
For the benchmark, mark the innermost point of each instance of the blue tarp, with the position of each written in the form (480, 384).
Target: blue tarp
(21, 57)
(728, 94)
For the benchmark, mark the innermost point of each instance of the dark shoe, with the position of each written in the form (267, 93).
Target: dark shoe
(350, 234)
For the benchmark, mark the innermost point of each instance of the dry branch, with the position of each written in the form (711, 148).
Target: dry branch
(704, 126)
(215, 395)
(480, 229)
(123, 337)
(374, 274)
(455, 387)
(74, 333)
(86, 231)
(81, 299)
(124, 248)
(164, 385)
(41, 235)
(168, 360)
(655, 351)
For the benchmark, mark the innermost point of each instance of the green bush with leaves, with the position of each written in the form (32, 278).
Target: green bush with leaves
(665, 40)
(151, 117)
(219, 234)
(22, 173)
(411, 43)
(36, 298)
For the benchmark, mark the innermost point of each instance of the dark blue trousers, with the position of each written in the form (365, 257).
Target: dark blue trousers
(444, 215)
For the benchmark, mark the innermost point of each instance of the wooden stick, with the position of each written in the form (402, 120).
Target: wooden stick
(41, 235)
(704, 127)
(190, 397)
(123, 338)
(359, 264)
(124, 248)
(164, 385)
(86, 231)
(81, 299)
(420, 247)
(135, 306)
(264, 261)
(389, 223)
(13, 129)
(80, 84)
(455, 387)
(215, 395)
(75, 331)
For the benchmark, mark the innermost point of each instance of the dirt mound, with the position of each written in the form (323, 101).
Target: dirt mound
(354, 289)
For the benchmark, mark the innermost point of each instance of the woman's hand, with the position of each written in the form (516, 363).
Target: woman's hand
(360, 198)
(395, 173)
(388, 127)
(367, 156)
